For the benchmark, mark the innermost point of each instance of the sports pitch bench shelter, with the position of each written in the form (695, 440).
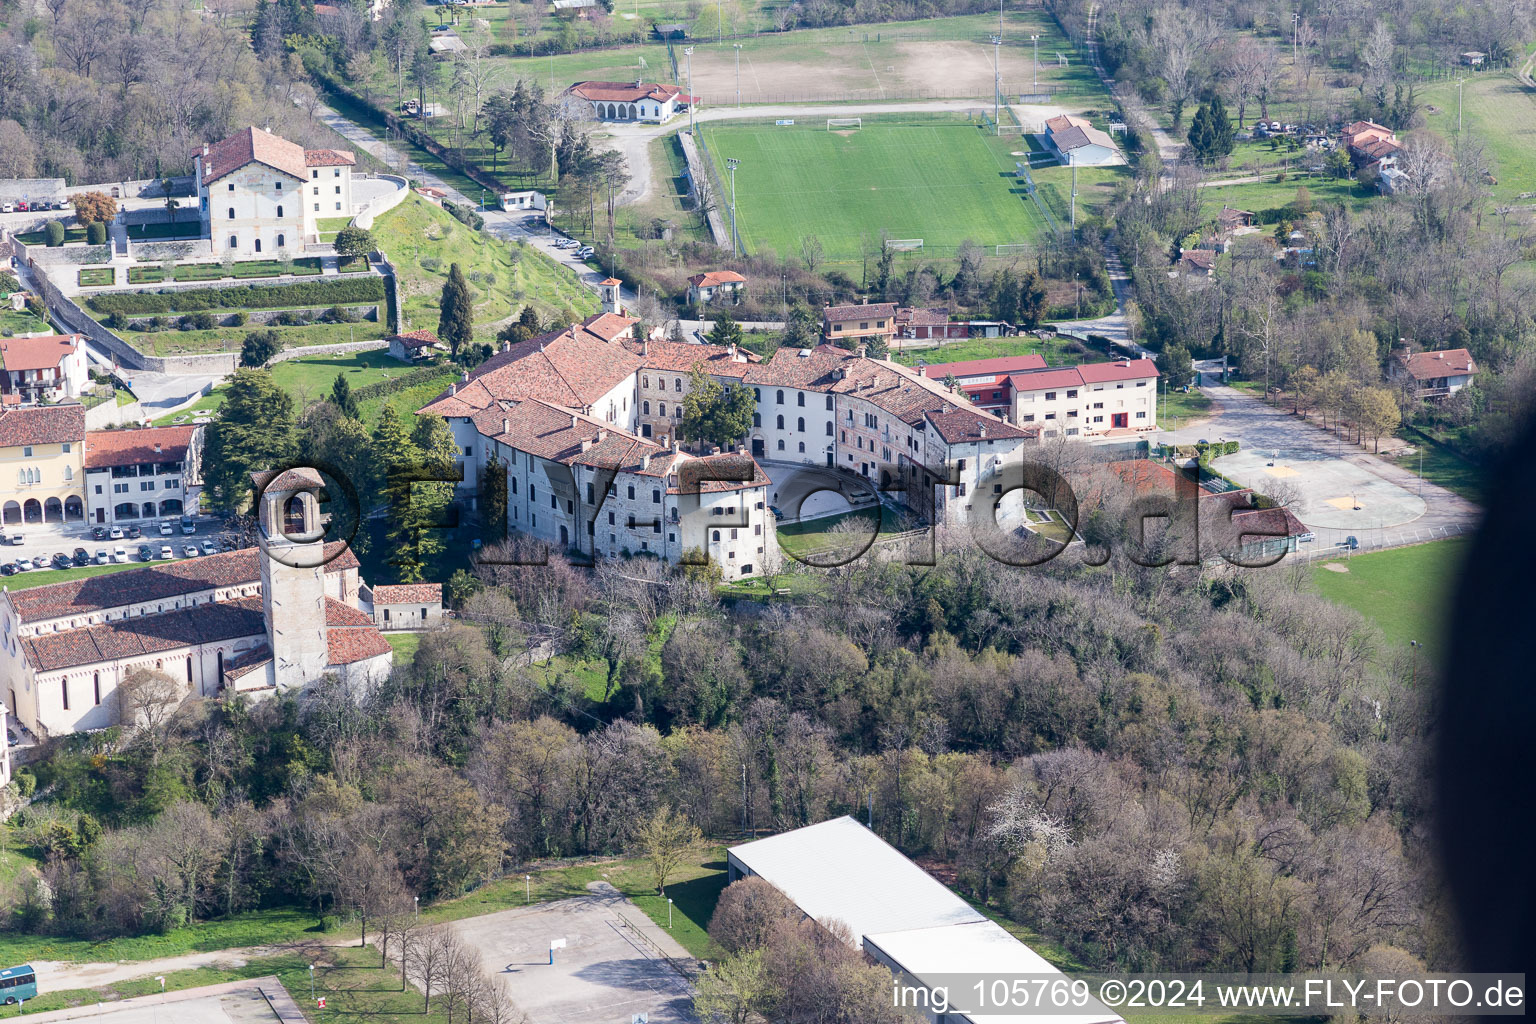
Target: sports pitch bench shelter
(897, 913)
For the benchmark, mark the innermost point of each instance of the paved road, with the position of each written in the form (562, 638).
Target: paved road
(1115, 327)
(1397, 507)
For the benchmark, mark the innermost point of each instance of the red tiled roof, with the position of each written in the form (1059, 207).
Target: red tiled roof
(18, 354)
(1061, 122)
(252, 145)
(1035, 380)
(245, 663)
(297, 479)
(868, 311)
(42, 424)
(559, 368)
(338, 615)
(1204, 259)
(625, 92)
(960, 426)
(415, 339)
(345, 646)
(329, 158)
(160, 582)
(682, 357)
(922, 316)
(1120, 369)
(1000, 365)
(1450, 362)
(148, 634)
(609, 326)
(106, 448)
(409, 593)
(713, 278)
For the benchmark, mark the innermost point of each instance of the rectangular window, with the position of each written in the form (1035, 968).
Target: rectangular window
(26, 451)
(1141, 415)
(1072, 393)
(338, 206)
(66, 447)
(1050, 396)
(338, 190)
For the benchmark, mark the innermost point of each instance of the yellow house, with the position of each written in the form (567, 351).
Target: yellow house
(42, 463)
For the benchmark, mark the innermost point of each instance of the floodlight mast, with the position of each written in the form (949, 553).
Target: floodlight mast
(733, 163)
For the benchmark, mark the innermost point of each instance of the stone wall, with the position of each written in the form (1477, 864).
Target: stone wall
(366, 216)
(320, 350)
(110, 414)
(363, 313)
(77, 320)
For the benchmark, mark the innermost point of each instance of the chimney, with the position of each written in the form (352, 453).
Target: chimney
(506, 426)
(586, 444)
(863, 350)
(715, 450)
(645, 346)
(733, 351)
(573, 421)
(541, 346)
(677, 444)
(453, 388)
(602, 435)
(157, 449)
(981, 429)
(574, 328)
(464, 377)
(645, 462)
(506, 346)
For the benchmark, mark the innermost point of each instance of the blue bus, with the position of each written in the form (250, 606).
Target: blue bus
(18, 984)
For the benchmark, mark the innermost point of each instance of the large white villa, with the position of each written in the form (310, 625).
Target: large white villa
(258, 193)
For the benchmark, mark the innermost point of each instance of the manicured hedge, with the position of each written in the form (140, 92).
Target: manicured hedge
(251, 296)
(394, 385)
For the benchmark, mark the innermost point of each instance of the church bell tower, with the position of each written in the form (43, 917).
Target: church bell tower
(292, 552)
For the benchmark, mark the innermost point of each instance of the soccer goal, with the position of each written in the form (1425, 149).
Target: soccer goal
(844, 123)
(1010, 129)
(1015, 249)
(904, 244)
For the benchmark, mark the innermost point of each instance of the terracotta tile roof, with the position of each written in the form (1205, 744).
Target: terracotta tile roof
(559, 368)
(1202, 259)
(1061, 122)
(868, 311)
(346, 646)
(409, 593)
(1450, 362)
(609, 326)
(297, 479)
(625, 92)
(682, 357)
(329, 158)
(1000, 365)
(810, 368)
(1120, 369)
(244, 664)
(961, 426)
(733, 463)
(415, 339)
(1362, 126)
(18, 354)
(1077, 137)
(160, 582)
(106, 448)
(922, 316)
(339, 615)
(42, 424)
(712, 278)
(552, 432)
(252, 145)
(148, 634)
(1036, 380)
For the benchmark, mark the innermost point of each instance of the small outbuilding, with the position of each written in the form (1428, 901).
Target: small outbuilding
(413, 346)
(405, 606)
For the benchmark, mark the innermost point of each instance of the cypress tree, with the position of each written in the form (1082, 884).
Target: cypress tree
(455, 324)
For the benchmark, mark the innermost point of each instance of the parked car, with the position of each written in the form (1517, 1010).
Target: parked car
(16, 538)
(101, 557)
(166, 552)
(61, 560)
(40, 562)
(119, 555)
(116, 533)
(98, 533)
(187, 525)
(209, 548)
(190, 551)
(1351, 542)
(7, 569)
(21, 206)
(82, 556)
(775, 510)
(133, 533)
(586, 252)
(7, 207)
(145, 553)
(166, 529)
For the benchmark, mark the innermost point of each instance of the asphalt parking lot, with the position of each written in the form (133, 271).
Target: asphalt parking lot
(239, 1002)
(46, 539)
(610, 967)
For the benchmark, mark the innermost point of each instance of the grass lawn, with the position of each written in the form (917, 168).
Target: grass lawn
(1500, 113)
(252, 929)
(1056, 351)
(1051, 525)
(305, 267)
(811, 539)
(422, 240)
(886, 178)
(14, 322)
(1259, 196)
(97, 277)
(40, 577)
(590, 676)
(1405, 591)
(351, 264)
(1180, 406)
(404, 645)
(1442, 466)
(164, 230)
(229, 339)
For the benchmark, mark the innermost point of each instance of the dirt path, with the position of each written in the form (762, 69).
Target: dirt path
(58, 975)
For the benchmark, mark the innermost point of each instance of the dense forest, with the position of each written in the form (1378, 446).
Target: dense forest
(1163, 768)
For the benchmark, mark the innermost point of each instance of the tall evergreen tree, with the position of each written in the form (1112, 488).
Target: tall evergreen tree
(342, 398)
(455, 322)
(396, 459)
(725, 332)
(1031, 305)
(254, 430)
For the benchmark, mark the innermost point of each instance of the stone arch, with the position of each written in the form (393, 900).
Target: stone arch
(12, 512)
(53, 510)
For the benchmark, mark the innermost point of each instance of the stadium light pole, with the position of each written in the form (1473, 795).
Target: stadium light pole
(1035, 80)
(688, 54)
(733, 163)
(997, 86)
(737, 48)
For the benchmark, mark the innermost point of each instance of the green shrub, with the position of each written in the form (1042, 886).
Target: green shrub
(238, 318)
(55, 233)
(96, 233)
(394, 385)
(352, 290)
(338, 315)
(26, 782)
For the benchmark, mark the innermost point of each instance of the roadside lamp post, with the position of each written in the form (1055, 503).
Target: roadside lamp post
(737, 48)
(1036, 77)
(692, 102)
(416, 902)
(669, 912)
(527, 888)
(311, 982)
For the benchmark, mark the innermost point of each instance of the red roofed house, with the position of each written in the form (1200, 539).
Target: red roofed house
(407, 606)
(51, 367)
(142, 473)
(1435, 374)
(1196, 263)
(706, 287)
(255, 622)
(413, 346)
(628, 101)
(1087, 399)
(875, 320)
(259, 194)
(1368, 143)
(924, 322)
(988, 383)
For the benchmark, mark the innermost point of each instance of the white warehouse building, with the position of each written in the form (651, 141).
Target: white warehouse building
(898, 914)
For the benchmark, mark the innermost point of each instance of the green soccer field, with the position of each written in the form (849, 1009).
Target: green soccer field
(942, 180)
